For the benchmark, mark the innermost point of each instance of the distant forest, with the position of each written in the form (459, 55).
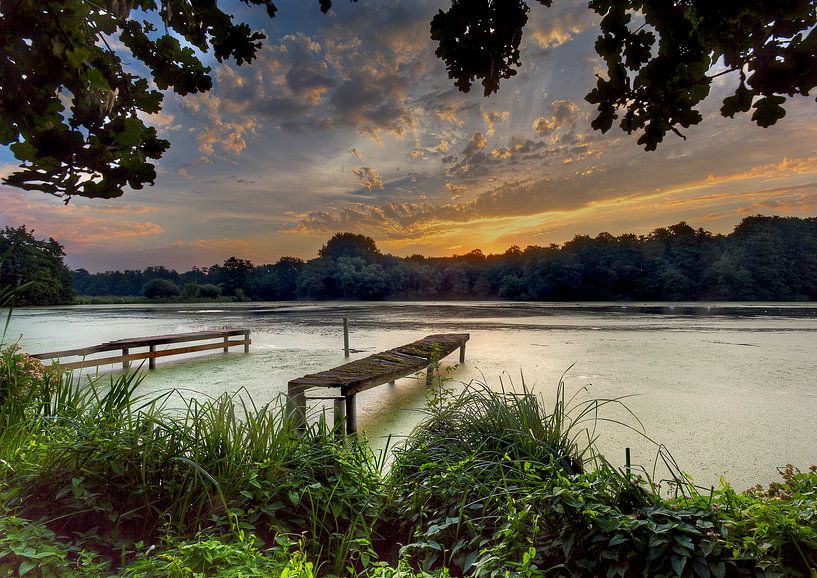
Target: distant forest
(764, 258)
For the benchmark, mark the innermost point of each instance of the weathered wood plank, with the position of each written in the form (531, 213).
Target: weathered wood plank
(150, 354)
(143, 342)
(386, 366)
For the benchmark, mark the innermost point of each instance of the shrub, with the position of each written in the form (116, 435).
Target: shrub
(160, 288)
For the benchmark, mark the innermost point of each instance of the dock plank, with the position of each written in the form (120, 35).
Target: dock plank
(361, 374)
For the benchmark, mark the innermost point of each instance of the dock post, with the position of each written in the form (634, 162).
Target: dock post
(152, 360)
(351, 414)
(296, 405)
(462, 352)
(247, 344)
(430, 375)
(226, 340)
(125, 363)
(340, 416)
(627, 466)
(346, 337)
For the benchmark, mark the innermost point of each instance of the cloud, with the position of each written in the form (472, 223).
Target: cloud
(554, 26)
(456, 191)
(491, 118)
(77, 224)
(369, 178)
(564, 114)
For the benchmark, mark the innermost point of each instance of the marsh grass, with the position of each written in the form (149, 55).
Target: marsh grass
(97, 462)
(478, 452)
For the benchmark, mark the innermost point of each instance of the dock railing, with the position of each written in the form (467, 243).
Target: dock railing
(126, 345)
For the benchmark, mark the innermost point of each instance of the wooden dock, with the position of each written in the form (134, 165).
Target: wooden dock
(377, 369)
(126, 345)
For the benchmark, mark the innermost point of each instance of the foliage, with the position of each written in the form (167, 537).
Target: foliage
(765, 258)
(37, 264)
(661, 58)
(32, 549)
(160, 288)
(211, 556)
(100, 464)
(60, 51)
(349, 245)
(19, 373)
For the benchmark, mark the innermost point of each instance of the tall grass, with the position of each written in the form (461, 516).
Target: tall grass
(476, 453)
(98, 462)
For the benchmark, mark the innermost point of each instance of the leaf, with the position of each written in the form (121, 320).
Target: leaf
(741, 101)
(678, 564)
(24, 151)
(25, 567)
(768, 110)
(131, 134)
(618, 539)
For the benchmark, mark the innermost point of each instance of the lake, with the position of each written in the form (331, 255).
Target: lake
(729, 389)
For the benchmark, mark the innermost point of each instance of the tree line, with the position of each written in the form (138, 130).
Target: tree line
(764, 258)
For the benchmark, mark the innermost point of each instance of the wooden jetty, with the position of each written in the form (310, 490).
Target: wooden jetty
(377, 369)
(126, 345)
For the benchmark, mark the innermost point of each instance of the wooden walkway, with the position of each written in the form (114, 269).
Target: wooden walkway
(125, 345)
(377, 369)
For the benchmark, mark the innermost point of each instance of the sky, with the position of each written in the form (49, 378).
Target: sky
(348, 122)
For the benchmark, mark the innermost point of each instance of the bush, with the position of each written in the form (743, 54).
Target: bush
(160, 288)
(206, 291)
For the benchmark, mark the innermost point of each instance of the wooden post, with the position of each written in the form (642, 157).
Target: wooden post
(346, 337)
(152, 360)
(226, 339)
(627, 462)
(351, 414)
(429, 375)
(296, 405)
(462, 352)
(247, 339)
(340, 415)
(125, 364)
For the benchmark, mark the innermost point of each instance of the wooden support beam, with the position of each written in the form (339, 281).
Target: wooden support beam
(351, 414)
(226, 341)
(152, 360)
(125, 360)
(247, 342)
(430, 375)
(296, 405)
(462, 352)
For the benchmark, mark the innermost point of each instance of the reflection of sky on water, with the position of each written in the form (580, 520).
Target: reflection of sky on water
(728, 388)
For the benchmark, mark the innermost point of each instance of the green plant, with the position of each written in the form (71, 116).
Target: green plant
(32, 549)
(455, 476)
(228, 555)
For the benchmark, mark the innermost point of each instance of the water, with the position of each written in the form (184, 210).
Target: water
(729, 389)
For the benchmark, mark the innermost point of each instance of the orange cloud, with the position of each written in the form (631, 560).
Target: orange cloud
(76, 224)
(369, 178)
